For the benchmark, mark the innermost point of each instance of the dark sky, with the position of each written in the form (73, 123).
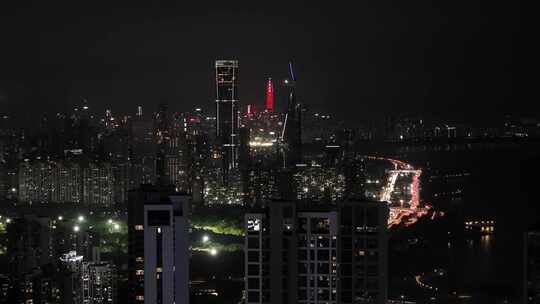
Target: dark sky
(443, 58)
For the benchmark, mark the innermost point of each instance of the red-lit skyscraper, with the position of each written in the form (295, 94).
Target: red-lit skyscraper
(269, 96)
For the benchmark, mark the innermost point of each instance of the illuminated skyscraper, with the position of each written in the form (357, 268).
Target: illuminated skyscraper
(227, 112)
(270, 96)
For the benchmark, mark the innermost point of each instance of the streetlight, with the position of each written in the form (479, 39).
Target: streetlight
(205, 238)
(213, 252)
(76, 228)
(116, 226)
(80, 218)
(60, 217)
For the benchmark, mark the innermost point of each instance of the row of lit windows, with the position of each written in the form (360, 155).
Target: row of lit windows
(317, 268)
(320, 254)
(316, 241)
(323, 281)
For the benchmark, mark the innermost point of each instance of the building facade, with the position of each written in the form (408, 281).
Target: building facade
(532, 265)
(98, 283)
(158, 246)
(313, 253)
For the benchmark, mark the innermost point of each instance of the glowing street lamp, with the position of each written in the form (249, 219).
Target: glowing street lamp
(205, 238)
(76, 228)
(80, 218)
(213, 252)
(116, 226)
(60, 217)
(110, 221)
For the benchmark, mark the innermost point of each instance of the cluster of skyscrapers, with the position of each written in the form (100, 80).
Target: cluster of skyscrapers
(311, 237)
(242, 155)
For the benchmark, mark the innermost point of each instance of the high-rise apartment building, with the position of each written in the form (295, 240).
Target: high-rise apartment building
(67, 183)
(158, 245)
(531, 269)
(35, 181)
(98, 185)
(354, 171)
(143, 151)
(48, 181)
(98, 281)
(298, 252)
(70, 277)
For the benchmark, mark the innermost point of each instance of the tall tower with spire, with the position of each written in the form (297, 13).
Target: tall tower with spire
(292, 128)
(269, 96)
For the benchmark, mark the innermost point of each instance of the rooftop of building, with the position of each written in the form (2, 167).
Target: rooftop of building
(314, 206)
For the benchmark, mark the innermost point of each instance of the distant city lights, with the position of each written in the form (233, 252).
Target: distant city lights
(71, 256)
(261, 143)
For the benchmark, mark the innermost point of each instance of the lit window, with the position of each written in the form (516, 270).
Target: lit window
(139, 298)
(139, 272)
(139, 227)
(159, 269)
(139, 259)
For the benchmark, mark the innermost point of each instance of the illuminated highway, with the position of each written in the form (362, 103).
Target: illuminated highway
(404, 201)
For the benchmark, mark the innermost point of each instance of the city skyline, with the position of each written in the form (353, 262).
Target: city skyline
(263, 152)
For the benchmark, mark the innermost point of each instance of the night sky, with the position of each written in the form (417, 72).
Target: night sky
(436, 58)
